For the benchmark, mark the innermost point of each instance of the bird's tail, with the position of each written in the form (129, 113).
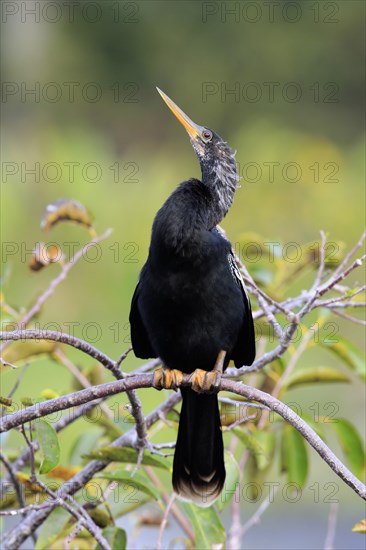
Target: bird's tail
(198, 468)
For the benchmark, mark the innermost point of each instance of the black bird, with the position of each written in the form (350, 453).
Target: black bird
(190, 308)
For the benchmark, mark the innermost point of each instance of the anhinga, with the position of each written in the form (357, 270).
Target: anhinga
(190, 308)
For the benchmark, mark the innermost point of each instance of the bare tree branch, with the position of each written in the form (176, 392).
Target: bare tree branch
(64, 338)
(146, 381)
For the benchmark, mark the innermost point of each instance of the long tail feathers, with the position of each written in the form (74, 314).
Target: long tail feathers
(198, 468)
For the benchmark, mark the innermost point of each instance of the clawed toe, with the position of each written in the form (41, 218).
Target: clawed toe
(169, 379)
(202, 381)
(205, 381)
(209, 381)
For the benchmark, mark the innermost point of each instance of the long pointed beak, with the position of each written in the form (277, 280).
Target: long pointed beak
(194, 130)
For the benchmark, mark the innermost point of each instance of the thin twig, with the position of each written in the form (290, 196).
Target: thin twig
(342, 305)
(238, 422)
(320, 271)
(164, 522)
(256, 517)
(350, 317)
(332, 524)
(170, 445)
(181, 519)
(14, 480)
(72, 535)
(324, 303)
(289, 368)
(18, 380)
(336, 279)
(261, 297)
(349, 255)
(237, 403)
(23, 511)
(123, 357)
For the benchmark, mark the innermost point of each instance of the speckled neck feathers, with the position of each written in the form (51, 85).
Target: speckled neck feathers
(221, 178)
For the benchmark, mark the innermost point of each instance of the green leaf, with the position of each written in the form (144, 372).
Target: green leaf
(353, 357)
(137, 481)
(231, 481)
(129, 456)
(127, 501)
(116, 537)
(294, 457)
(248, 440)
(84, 444)
(266, 441)
(360, 527)
(112, 429)
(100, 517)
(351, 444)
(316, 374)
(208, 529)
(28, 351)
(51, 528)
(49, 446)
(260, 444)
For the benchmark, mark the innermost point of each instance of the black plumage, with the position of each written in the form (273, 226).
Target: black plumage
(190, 304)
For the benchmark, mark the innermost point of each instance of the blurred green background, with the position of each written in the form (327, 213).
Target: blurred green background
(280, 81)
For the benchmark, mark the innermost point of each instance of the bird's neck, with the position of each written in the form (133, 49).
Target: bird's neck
(194, 208)
(220, 180)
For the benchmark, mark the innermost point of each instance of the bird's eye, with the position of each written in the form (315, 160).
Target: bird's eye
(206, 135)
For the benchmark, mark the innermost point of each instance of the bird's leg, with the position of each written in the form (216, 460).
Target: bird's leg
(168, 379)
(209, 381)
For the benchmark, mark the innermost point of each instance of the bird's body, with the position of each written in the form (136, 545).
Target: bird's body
(189, 305)
(187, 295)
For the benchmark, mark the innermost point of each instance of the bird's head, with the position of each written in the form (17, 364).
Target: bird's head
(216, 157)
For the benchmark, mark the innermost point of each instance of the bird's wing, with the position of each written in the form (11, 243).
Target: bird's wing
(140, 340)
(244, 351)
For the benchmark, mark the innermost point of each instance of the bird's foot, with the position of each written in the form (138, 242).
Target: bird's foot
(169, 379)
(203, 381)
